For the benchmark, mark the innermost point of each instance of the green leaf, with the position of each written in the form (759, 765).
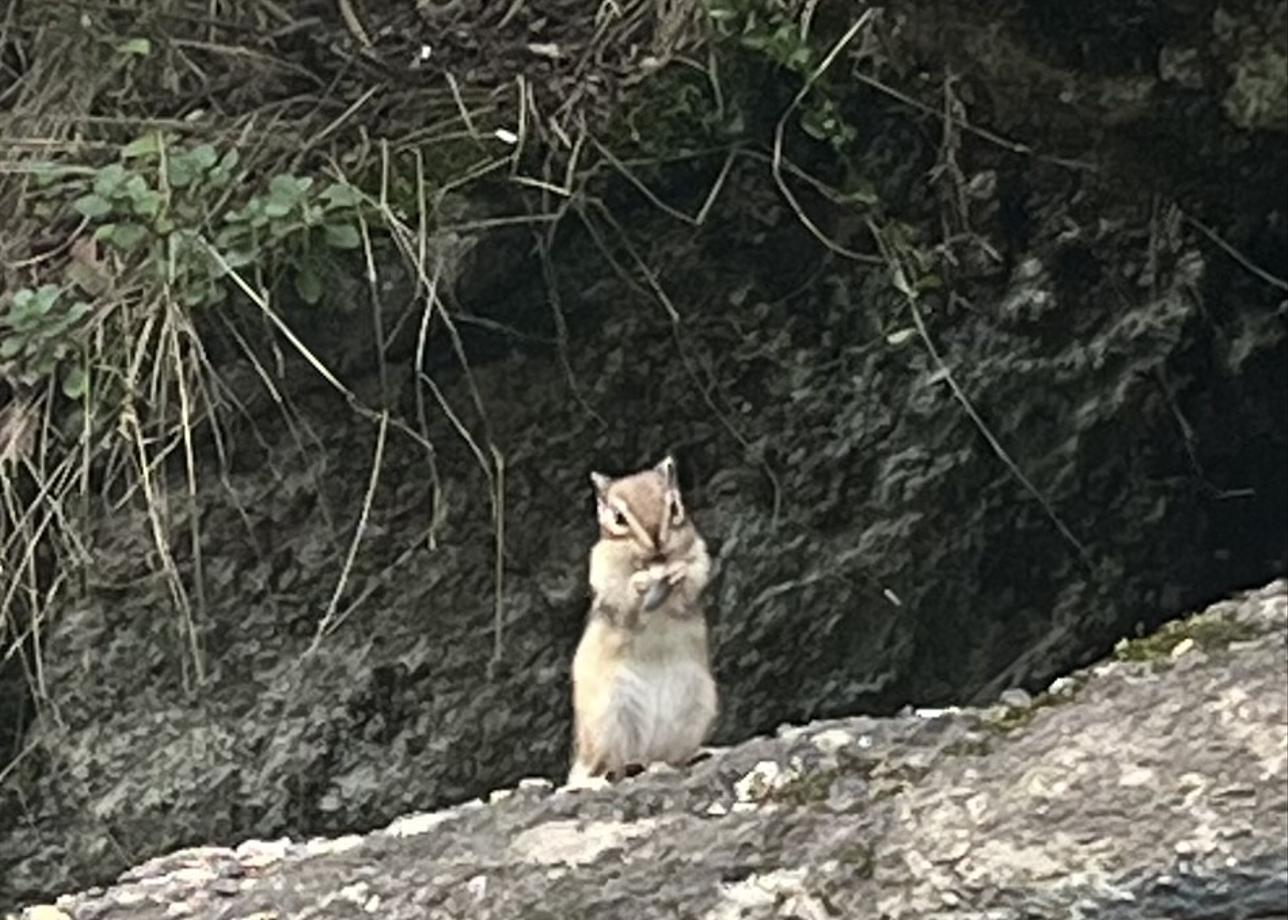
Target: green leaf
(901, 336)
(76, 382)
(222, 172)
(12, 345)
(308, 285)
(127, 236)
(204, 157)
(277, 207)
(864, 194)
(900, 281)
(24, 321)
(46, 297)
(233, 259)
(284, 186)
(180, 170)
(109, 179)
(341, 195)
(342, 236)
(93, 206)
(236, 258)
(146, 204)
(181, 244)
(229, 236)
(810, 125)
(149, 145)
(285, 193)
(141, 47)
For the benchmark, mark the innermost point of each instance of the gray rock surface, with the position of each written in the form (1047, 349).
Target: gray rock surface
(1152, 785)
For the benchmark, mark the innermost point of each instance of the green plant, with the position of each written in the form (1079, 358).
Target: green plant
(156, 215)
(38, 332)
(162, 205)
(774, 31)
(768, 27)
(297, 223)
(823, 121)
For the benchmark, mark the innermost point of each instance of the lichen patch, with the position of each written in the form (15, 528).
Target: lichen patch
(575, 842)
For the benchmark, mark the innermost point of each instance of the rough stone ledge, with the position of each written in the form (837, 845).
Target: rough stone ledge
(1152, 785)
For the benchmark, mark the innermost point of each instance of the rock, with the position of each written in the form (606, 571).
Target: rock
(44, 912)
(1015, 698)
(1153, 791)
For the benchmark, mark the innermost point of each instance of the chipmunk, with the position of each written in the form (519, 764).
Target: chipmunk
(643, 692)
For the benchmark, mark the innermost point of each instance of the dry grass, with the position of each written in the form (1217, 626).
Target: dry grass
(318, 90)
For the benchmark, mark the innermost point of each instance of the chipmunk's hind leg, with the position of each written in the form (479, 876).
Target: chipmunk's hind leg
(588, 765)
(588, 776)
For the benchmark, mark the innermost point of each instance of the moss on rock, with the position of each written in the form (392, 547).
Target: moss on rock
(1212, 630)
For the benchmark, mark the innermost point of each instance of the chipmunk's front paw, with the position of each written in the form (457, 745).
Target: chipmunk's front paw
(642, 580)
(675, 572)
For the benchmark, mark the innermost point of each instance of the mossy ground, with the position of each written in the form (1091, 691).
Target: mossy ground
(1009, 719)
(1209, 631)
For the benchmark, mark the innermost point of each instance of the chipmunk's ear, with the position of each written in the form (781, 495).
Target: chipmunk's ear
(601, 484)
(666, 467)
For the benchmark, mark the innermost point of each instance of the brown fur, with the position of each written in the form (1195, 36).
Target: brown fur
(642, 684)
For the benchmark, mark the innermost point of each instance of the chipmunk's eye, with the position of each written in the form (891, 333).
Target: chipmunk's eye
(619, 519)
(676, 513)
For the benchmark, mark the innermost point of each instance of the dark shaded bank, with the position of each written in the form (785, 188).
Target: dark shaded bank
(1096, 238)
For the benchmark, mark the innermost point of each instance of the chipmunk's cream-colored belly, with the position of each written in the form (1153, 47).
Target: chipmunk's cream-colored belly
(659, 712)
(643, 697)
